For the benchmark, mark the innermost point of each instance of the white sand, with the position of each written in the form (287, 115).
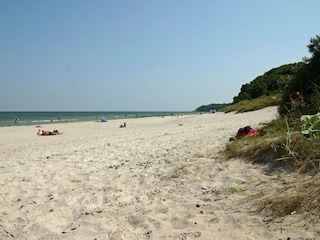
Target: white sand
(159, 178)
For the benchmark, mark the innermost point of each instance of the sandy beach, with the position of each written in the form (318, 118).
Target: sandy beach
(158, 178)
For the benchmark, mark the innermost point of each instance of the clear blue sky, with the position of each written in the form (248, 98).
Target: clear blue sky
(144, 55)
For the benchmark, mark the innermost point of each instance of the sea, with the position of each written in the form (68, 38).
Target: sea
(41, 118)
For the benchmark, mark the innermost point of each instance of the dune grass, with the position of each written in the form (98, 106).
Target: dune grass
(254, 104)
(286, 152)
(283, 143)
(298, 196)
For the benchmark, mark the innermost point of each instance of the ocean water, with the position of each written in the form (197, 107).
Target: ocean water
(41, 118)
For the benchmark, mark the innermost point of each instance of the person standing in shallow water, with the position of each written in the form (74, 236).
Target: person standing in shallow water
(16, 121)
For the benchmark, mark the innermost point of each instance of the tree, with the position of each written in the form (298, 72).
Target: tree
(314, 46)
(306, 81)
(269, 83)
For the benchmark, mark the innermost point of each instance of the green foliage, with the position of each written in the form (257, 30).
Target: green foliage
(271, 82)
(306, 81)
(207, 108)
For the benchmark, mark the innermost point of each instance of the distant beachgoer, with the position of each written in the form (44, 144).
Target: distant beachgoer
(16, 121)
(48, 133)
(124, 125)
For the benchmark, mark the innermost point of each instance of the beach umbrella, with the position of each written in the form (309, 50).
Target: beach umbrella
(104, 119)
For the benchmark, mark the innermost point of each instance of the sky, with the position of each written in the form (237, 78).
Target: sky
(144, 55)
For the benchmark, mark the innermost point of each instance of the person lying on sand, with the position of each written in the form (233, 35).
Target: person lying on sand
(48, 133)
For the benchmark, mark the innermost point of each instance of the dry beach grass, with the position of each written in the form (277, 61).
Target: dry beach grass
(158, 178)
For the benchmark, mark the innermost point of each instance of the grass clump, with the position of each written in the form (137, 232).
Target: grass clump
(297, 198)
(280, 206)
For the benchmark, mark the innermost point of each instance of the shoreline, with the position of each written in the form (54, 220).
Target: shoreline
(37, 118)
(158, 178)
